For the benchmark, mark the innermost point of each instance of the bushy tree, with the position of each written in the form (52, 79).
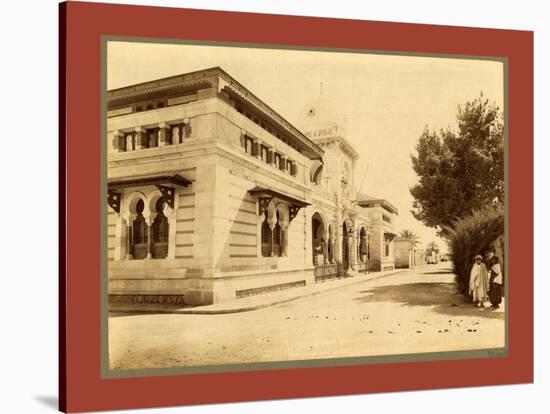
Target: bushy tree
(472, 235)
(461, 170)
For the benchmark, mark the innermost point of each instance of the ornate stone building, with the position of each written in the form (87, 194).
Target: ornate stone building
(212, 195)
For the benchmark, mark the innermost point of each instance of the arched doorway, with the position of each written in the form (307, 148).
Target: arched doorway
(159, 242)
(139, 230)
(318, 242)
(345, 246)
(274, 231)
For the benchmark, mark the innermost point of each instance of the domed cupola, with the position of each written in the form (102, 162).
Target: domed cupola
(319, 119)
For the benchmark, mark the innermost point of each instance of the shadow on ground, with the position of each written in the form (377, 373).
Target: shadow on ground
(442, 296)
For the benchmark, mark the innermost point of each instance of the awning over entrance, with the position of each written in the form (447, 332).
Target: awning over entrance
(164, 183)
(265, 195)
(118, 184)
(388, 236)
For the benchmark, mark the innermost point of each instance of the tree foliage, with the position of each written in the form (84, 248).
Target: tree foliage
(461, 170)
(472, 235)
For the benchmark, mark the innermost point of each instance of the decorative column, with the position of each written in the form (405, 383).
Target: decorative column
(293, 168)
(352, 242)
(282, 166)
(164, 136)
(272, 227)
(129, 219)
(149, 223)
(270, 156)
(175, 132)
(272, 221)
(338, 238)
(129, 235)
(257, 148)
(120, 238)
(141, 138)
(330, 247)
(325, 247)
(284, 228)
(243, 140)
(170, 214)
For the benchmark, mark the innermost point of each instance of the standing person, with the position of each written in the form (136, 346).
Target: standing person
(479, 281)
(495, 279)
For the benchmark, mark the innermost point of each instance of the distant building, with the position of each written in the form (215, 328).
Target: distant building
(432, 256)
(404, 253)
(213, 195)
(419, 257)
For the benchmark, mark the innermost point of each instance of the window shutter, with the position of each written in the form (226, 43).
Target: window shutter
(243, 141)
(118, 143)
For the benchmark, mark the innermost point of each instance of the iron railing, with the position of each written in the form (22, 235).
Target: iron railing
(329, 271)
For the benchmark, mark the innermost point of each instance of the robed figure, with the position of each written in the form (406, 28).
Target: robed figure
(479, 282)
(495, 280)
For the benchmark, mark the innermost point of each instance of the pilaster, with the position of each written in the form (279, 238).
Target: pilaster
(164, 137)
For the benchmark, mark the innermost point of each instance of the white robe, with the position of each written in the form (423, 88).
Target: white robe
(479, 282)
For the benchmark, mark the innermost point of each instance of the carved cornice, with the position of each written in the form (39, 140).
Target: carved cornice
(209, 78)
(240, 94)
(148, 91)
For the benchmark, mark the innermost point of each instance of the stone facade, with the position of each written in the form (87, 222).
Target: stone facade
(404, 253)
(213, 195)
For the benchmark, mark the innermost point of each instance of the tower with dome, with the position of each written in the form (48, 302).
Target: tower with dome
(360, 226)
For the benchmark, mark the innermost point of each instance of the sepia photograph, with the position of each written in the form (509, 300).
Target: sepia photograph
(281, 207)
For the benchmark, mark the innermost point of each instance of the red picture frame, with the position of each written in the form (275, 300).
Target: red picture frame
(81, 385)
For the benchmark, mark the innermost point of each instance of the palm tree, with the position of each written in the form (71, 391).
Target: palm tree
(411, 237)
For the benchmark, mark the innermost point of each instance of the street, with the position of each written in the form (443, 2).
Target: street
(409, 312)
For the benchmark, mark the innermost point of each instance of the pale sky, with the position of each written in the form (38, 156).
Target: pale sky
(386, 100)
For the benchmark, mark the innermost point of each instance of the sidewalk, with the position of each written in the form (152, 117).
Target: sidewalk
(258, 301)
